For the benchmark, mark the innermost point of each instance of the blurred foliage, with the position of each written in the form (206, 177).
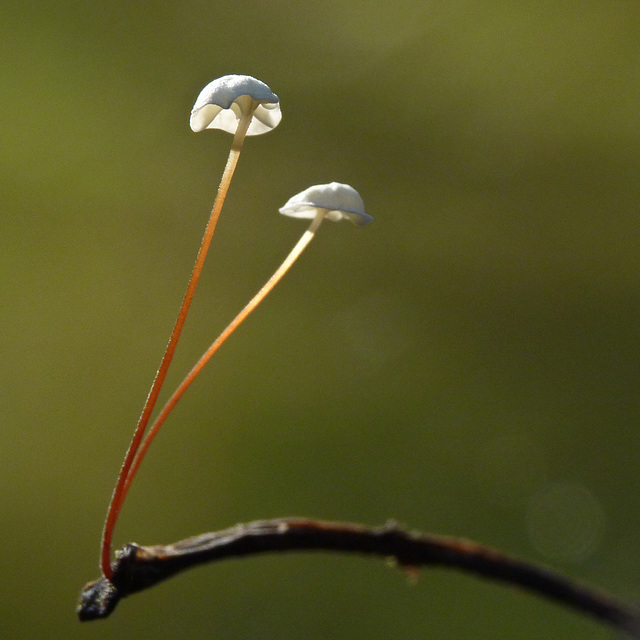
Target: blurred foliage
(467, 364)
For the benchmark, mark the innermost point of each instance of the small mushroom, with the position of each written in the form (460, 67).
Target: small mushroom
(334, 201)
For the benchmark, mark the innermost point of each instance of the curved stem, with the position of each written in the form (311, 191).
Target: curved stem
(122, 486)
(306, 238)
(139, 568)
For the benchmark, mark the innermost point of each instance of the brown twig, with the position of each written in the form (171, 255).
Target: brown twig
(137, 568)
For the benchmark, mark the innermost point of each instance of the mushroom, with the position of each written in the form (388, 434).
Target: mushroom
(243, 106)
(334, 201)
(227, 101)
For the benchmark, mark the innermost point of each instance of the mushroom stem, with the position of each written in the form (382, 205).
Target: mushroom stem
(122, 485)
(306, 238)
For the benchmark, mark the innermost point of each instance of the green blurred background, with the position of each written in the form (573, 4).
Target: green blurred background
(467, 364)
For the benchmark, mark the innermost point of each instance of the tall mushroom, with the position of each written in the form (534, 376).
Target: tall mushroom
(242, 106)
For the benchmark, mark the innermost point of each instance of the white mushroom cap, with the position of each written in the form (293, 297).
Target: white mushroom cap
(339, 201)
(224, 101)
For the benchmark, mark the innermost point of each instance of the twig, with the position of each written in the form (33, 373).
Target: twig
(137, 567)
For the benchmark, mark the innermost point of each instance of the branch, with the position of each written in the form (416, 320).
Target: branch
(137, 567)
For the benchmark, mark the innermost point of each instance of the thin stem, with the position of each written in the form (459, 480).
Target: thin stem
(122, 486)
(139, 568)
(306, 238)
